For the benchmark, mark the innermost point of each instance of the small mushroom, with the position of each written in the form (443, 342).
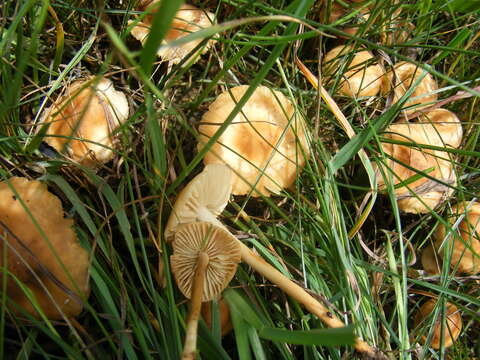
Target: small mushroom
(189, 204)
(81, 123)
(440, 128)
(189, 19)
(404, 75)
(265, 145)
(362, 77)
(204, 260)
(40, 252)
(465, 252)
(431, 261)
(451, 329)
(225, 320)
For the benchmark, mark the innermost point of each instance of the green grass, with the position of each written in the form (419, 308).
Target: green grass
(371, 279)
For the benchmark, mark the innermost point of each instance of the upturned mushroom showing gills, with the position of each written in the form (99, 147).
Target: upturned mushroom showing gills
(362, 75)
(422, 177)
(451, 329)
(40, 252)
(204, 260)
(189, 19)
(463, 242)
(265, 144)
(405, 75)
(190, 207)
(81, 123)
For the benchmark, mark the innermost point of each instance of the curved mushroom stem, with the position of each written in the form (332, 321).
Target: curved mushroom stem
(190, 346)
(299, 294)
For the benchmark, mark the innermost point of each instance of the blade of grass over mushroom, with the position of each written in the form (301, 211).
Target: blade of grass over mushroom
(161, 22)
(319, 337)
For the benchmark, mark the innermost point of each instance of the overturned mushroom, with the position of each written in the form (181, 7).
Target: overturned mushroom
(81, 123)
(362, 75)
(451, 329)
(189, 204)
(464, 239)
(403, 76)
(265, 145)
(189, 19)
(204, 260)
(40, 251)
(415, 192)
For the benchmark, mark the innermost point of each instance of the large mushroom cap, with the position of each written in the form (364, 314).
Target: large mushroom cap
(81, 122)
(223, 253)
(466, 239)
(41, 261)
(189, 19)
(363, 76)
(404, 75)
(407, 161)
(203, 199)
(265, 145)
(453, 324)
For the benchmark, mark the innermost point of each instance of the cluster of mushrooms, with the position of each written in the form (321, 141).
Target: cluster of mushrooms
(259, 153)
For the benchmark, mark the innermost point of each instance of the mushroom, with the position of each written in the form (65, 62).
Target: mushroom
(431, 261)
(40, 252)
(190, 207)
(451, 329)
(188, 19)
(440, 128)
(265, 144)
(225, 319)
(204, 260)
(464, 240)
(82, 121)
(404, 75)
(362, 75)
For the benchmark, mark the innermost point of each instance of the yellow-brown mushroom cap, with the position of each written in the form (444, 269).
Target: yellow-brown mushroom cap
(188, 19)
(431, 261)
(453, 324)
(404, 75)
(435, 163)
(265, 145)
(40, 262)
(362, 77)
(81, 122)
(203, 199)
(223, 253)
(465, 254)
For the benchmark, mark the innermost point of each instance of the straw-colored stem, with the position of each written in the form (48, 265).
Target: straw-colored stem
(190, 346)
(299, 294)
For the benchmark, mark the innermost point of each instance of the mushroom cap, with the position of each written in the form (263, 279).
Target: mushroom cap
(188, 19)
(363, 76)
(404, 75)
(204, 197)
(36, 261)
(431, 262)
(453, 324)
(448, 128)
(82, 121)
(223, 252)
(435, 163)
(262, 145)
(466, 239)
(225, 319)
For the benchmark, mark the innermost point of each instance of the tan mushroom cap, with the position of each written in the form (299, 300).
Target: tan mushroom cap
(265, 145)
(431, 262)
(466, 239)
(225, 319)
(189, 19)
(202, 199)
(363, 77)
(223, 253)
(28, 251)
(81, 122)
(437, 164)
(403, 76)
(453, 324)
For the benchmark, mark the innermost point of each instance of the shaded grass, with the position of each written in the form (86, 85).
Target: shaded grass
(120, 210)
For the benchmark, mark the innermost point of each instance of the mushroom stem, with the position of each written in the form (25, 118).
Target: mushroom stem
(190, 346)
(299, 294)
